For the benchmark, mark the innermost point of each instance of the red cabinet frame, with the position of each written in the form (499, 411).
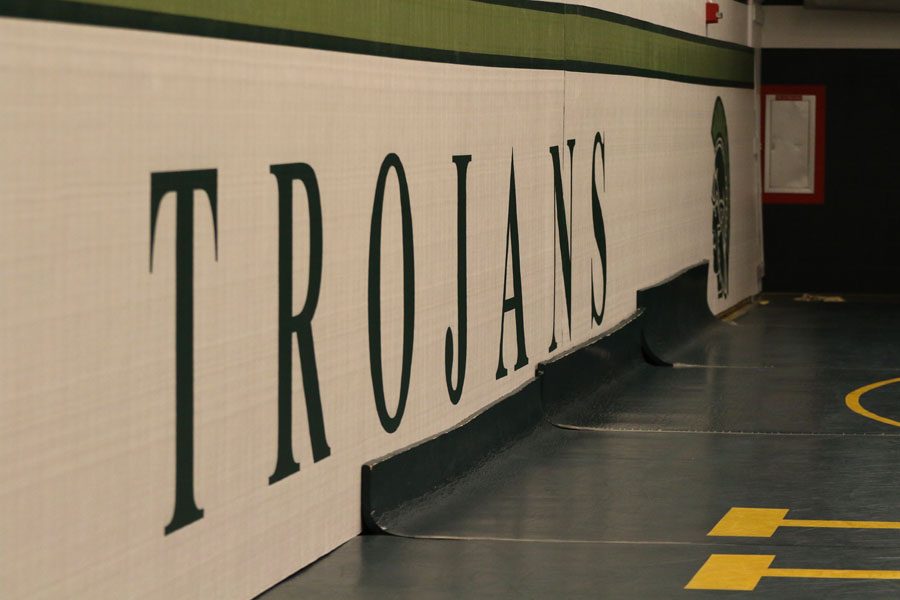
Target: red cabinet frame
(818, 195)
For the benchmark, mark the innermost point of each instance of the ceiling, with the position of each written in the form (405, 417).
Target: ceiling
(871, 5)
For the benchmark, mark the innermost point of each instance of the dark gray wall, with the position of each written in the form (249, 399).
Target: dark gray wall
(852, 242)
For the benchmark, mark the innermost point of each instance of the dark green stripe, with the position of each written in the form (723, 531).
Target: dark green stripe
(497, 33)
(605, 15)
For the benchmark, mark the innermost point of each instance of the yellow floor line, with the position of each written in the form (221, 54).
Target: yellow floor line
(853, 401)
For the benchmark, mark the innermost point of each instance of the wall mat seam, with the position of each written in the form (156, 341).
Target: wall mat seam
(489, 33)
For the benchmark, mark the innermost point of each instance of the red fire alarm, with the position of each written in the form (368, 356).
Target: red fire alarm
(713, 14)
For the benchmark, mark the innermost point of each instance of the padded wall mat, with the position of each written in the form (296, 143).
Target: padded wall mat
(680, 329)
(377, 567)
(798, 502)
(736, 400)
(663, 487)
(606, 385)
(858, 313)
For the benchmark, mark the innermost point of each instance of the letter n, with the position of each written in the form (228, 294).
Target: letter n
(562, 231)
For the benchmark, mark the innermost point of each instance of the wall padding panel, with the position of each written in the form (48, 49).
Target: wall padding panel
(120, 422)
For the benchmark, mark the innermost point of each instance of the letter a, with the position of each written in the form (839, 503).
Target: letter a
(514, 302)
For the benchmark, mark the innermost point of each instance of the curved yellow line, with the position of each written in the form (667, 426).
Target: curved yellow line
(853, 404)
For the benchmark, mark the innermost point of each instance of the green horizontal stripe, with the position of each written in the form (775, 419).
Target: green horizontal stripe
(523, 33)
(455, 25)
(595, 40)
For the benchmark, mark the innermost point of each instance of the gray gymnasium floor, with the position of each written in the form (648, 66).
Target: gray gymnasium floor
(615, 492)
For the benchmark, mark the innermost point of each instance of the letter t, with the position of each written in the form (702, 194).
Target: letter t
(183, 183)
